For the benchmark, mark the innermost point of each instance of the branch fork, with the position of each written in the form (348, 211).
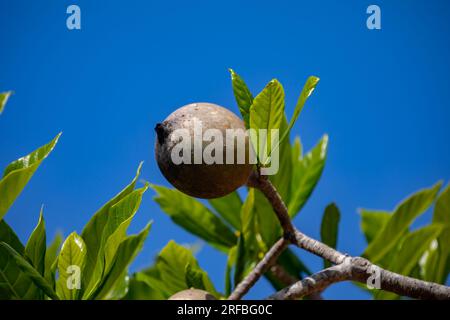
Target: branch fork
(345, 268)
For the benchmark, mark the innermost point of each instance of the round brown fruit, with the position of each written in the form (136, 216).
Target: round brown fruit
(202, 180)
(192, 294)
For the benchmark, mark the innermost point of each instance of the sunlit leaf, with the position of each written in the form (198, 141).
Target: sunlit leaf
(114, 232)
(329, 228)
(437, 266)
(243, 96)
(168, 275)
(266, 112)
(4, 96)
(307, 90)
(372, 222)
(19, 172)
(51, 256)
(413, 247)
(306, 173)
(36, 246)
(72, 257)
(93, 231)
(403, 216)
(126, 252)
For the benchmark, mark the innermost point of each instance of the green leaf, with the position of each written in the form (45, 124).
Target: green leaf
(247, 247)
(243, 96)
(231, 261)
(120, 289)
(372, 222)
(306, 173)
(194, 217)
(329, 228)
(168, 275)
(73, 254)
(119, 218)
(194, 278)
(282, 179)
(266, 112)
(14, 283)
(240, 269)
(4, 96)
(413, 247)
(51, 256)
(29, 271)
(403, 216)
(19, 172)
(93, 231)
(140, 290)
(229, 207)
(307, 90)
(437, 264)
(126, 252)
(267, 221)
(36, 246)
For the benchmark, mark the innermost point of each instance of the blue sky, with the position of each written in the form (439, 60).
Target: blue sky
(383, 99)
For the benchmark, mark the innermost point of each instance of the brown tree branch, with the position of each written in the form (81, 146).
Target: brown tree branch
(346, 268)
(314, 283)
(268, 260)
(287, 279)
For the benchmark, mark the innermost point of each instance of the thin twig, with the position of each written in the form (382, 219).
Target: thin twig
(314, 283)
(287, 279)
(268, 260)
(357, 269)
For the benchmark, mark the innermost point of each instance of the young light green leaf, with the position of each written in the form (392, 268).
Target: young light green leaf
(243, 96)
(372, 222)
(4, 96)
(266, 113)
(403, 216)
(114, 231)
(437, 266)
(412, 248)
(120, 218)
(36, 246)
(306, 173)
(329, 228)
(268, 223)
(194, 217)
(120, 289)
(126, 252)
(282, 179)
(19, 172)
(93, 231)
(51, 256)
(29, 271)
(71, 258)
(229, 207)
(307, 90)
